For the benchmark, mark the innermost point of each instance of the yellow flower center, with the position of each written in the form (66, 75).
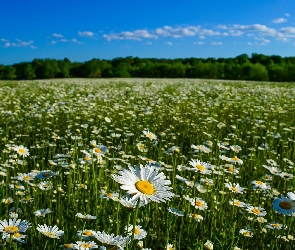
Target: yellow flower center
(68, 246)
(97, 150)
(85, 245)
(87, 233)
(200, 167)
(247, 233)
(276, 225)
(86, 159)
(199, 203)
(235, 158)
(285, 205)
(231, 169)
(11, 229)
(109, 195)
(16, 186)
(49, 234)
(149, 135)
(21, 150)
(27, 177)
(237, 203)
(259, 182)
(145, 187)
(17, 235)
(196, 216)
(234, 189)
(136, 231)
(256, 211)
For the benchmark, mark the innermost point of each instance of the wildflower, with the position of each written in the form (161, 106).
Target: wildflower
(259, 185)
(7, 200)
(235, 148)
(172, 150)
(22, 151)
(175, 211)
(141, 147)
(208, 245)
(26, 177)
(235, 188)
(42, 212)
(83, 245)
(139, 233)
(144, 183)
(46, 174)
(201, 167)
(150, 135)
(49, 231)
(246, 232)
(259, 211)
(236, 160)
(14, 226)
(45, 185)
(229, 168)
(68, 246)
(261, 220)
(237, 203)
(85, 234)
(15, 237)
(170, 247)
(274, 225)
(196, 217)
(285, 205)
(110, 239)
(199, 203)
(85, 217)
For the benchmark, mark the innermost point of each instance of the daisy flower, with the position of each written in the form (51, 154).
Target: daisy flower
(85, 217)
(196, 217)
(139, 233)
(7, 200)
(235, 148)
(68, 246)
(170, 247)
(145, 184)
(49, 231)
(237, 203)
(83, 245)
(246, 232)
(274, 225)
(198, 203)
(22, 151)
(14, 226)
(150, 135)
(259, 185)
(85, 234)
(15, 237)
(236, 160)
(175, 211)
(110, 239)
(235, 188)
(129, 203)
(42, 212)
(259, 211)
(285, 205)
(201, 167)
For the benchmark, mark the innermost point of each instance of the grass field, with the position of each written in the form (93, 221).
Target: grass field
(147, 164)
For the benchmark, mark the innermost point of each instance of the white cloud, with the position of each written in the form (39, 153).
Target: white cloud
(287, 15)
(169, 43)
(57, 35)
(19, 43)
(279, 20)
(130, 35)
(86, 33)
(216, 43)
(199, 43)
(261, 41)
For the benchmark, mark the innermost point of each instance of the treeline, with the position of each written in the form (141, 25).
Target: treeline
(257, 67)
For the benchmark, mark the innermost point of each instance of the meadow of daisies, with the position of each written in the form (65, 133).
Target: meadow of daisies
(146, 164)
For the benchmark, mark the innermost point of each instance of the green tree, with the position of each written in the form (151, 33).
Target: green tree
(258, 72)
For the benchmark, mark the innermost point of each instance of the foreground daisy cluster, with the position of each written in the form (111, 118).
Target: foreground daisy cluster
(147, 164)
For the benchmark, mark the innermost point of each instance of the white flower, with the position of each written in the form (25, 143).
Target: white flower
(150, 135)
(139, 233)
(144, 183)
(83, 245)
(110, 239)
(208, 245)
(49, 231)
(22, 151)
(285, 205)
(14, 226)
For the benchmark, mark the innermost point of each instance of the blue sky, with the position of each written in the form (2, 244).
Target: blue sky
(106, 29)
